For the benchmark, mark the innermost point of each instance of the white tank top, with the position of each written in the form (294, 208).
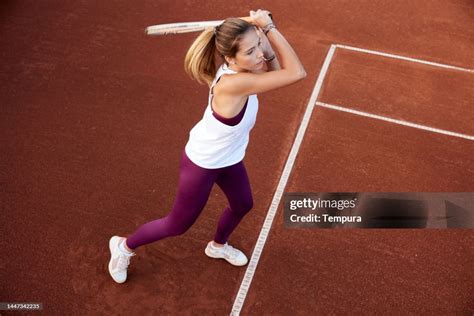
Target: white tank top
(213, 144)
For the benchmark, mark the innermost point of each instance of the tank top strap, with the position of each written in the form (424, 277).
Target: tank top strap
(223, 69)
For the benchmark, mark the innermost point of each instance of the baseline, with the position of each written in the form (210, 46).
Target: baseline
(415, 60)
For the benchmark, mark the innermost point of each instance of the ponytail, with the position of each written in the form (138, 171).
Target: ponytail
(199, 62)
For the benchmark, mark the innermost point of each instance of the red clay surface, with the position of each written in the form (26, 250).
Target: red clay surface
(381, 271)
(405, 159)
(403, 90)
(94, 117)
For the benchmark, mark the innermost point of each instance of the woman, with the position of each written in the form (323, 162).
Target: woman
(216, 146)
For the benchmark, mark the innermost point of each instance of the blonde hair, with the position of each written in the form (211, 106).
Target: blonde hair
(200, 61)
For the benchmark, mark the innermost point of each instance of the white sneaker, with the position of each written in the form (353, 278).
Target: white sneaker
(232, 255)
(119, 260)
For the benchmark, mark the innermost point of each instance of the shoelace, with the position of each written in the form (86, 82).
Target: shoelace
(230, 251)
(123, 261)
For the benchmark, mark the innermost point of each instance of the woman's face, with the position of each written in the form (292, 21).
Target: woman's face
(249, 57)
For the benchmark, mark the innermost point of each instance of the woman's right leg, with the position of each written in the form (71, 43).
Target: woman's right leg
(195, 185)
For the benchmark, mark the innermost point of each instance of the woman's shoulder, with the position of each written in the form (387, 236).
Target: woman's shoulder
(225, 82)
(221, 84)
(226, 76)
(228, 82)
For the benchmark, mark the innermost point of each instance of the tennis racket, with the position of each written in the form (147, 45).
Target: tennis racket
(186, 27)
(183, 27)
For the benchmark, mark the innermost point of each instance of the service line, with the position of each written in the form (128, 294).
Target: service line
(395, 121)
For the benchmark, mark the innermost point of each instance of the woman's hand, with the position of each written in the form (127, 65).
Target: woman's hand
(260, 18)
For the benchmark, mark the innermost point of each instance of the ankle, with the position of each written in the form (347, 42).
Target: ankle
(216, 245)
(125, 247)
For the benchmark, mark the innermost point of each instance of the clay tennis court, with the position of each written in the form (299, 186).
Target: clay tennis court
(95, 115)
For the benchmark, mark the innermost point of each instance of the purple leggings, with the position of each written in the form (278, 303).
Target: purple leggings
(195, 184)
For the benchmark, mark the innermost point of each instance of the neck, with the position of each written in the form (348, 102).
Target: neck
(233, 67)
(236, 68)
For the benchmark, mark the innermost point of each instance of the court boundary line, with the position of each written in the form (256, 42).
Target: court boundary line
(392, 120)
(249, 273)
(252, 266)
(415, 60)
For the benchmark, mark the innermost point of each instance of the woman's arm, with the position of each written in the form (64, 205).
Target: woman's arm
(291, 70)
(274, 64)
(289, 59)
(271, 58)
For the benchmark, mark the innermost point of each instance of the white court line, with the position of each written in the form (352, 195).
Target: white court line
(395, 121)
(373, 52)
(249, 273)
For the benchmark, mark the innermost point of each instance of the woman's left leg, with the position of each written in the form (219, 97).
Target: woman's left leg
(234, 182)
